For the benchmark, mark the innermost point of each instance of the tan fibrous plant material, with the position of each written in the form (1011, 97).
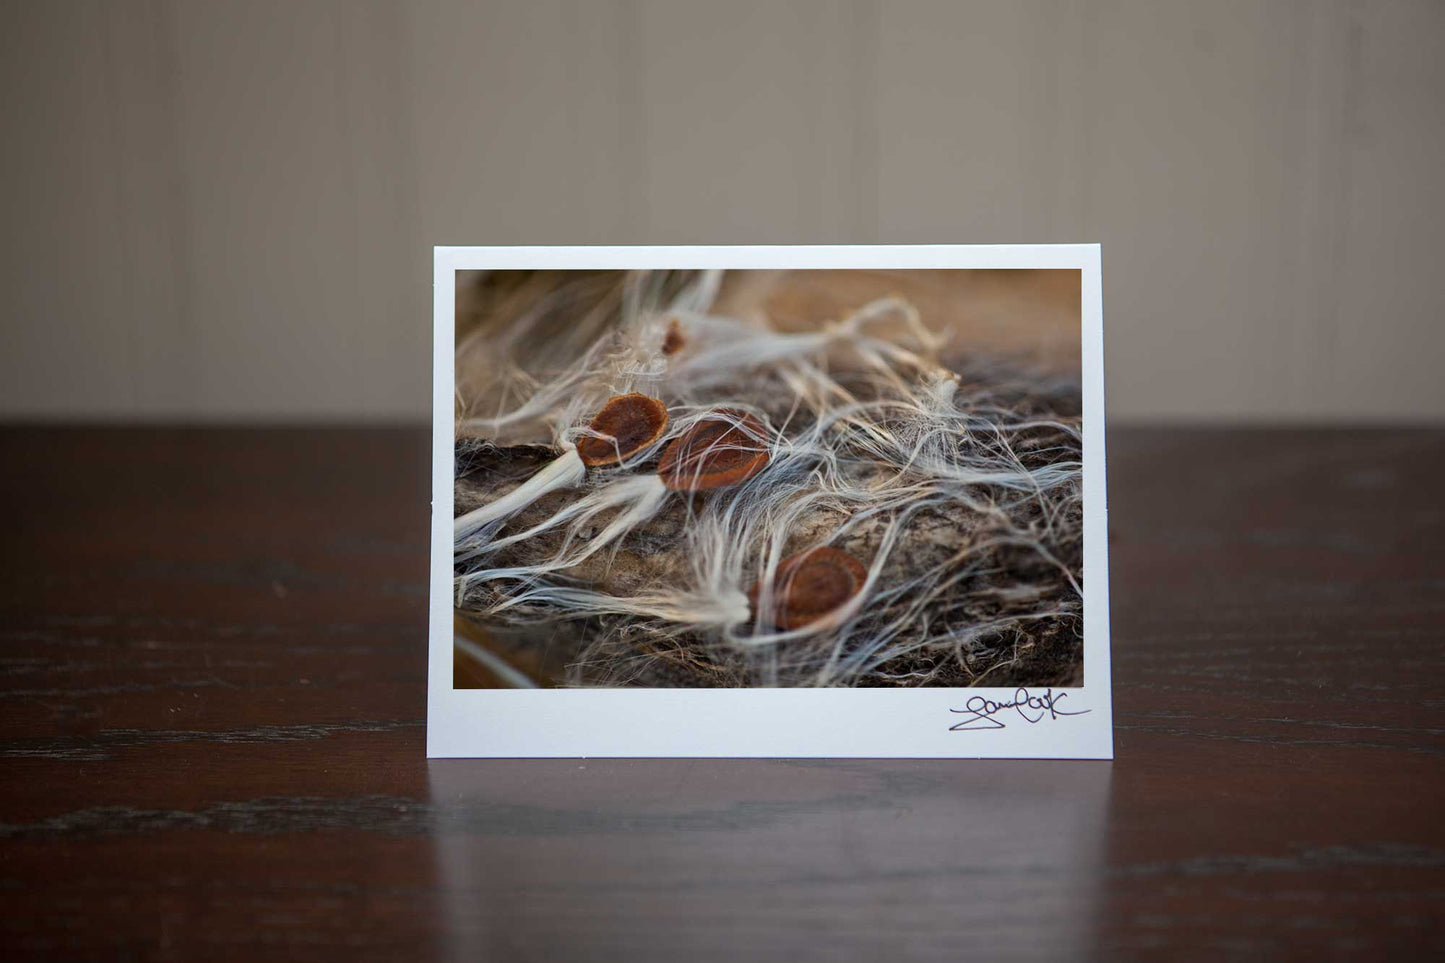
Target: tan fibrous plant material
(950, 472)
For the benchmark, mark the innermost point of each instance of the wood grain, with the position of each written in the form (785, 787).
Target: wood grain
(212, 697)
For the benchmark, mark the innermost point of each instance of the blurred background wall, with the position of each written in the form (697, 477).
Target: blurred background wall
(224, 210)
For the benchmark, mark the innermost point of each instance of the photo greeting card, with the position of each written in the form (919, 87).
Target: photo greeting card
(769, 501)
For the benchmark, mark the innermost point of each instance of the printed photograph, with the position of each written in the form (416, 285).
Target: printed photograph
(684, 479)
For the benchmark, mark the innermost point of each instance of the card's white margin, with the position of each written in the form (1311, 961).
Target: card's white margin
(796, 723)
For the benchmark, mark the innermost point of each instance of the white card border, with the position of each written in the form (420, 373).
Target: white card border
(792, 723)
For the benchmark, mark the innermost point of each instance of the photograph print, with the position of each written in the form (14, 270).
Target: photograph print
(688, 479)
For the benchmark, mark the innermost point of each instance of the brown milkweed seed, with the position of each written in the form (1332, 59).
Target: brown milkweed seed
(630, 422)
(723, 448)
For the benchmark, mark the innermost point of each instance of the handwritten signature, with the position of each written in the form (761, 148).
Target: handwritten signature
(1031, 708)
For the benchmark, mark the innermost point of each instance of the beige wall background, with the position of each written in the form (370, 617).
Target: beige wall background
(224, 210)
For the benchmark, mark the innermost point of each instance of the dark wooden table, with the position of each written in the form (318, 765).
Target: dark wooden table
(212, 691)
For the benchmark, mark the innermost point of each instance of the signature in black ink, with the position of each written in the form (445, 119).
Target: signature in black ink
(1030, 708)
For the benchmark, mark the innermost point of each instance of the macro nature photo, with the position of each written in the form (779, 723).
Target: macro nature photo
(760, 478)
